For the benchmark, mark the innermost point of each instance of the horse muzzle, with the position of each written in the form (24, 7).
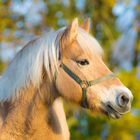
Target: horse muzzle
(121, 105)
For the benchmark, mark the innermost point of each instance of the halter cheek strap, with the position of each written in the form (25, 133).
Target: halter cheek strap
(85, 84)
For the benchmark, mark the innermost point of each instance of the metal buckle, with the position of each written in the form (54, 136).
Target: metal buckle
(84, 84)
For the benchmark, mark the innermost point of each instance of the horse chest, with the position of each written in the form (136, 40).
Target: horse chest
(39, 124)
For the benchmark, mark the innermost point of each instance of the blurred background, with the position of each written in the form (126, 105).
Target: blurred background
(114, 23)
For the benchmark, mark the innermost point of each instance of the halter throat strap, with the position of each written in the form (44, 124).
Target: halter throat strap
(85, 84)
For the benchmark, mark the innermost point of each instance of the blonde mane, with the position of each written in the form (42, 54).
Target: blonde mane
(88, 42)
(28, 64)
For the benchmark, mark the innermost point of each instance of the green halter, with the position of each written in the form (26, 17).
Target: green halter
(84, 84)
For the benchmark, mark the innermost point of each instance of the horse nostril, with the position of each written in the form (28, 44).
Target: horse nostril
(123, 100)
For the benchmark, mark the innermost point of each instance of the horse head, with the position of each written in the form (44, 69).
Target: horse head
(83, 76)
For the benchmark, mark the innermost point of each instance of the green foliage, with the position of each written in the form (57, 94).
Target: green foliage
(2, 66)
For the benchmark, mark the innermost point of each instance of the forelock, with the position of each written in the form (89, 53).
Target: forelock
(88, 42)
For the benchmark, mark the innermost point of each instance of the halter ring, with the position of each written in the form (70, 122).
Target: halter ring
(84, 84)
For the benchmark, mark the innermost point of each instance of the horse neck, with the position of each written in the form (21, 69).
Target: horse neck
(32, 118)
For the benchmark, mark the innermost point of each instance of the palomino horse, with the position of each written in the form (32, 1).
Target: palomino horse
(65, 63)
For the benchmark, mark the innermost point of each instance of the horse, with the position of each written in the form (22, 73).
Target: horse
(66, 63)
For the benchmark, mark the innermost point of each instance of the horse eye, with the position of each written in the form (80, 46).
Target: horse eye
(82, 62)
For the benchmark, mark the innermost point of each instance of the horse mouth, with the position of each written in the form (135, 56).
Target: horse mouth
(112, 112)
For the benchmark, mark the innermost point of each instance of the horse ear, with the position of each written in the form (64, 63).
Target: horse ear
(86, 25)
(72, 30)
(69, 34)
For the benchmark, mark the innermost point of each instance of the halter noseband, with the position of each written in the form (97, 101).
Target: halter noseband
(84, 84)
